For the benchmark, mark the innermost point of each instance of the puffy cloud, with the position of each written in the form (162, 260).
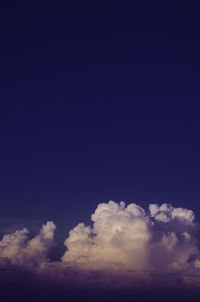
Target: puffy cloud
(123, 246)
(17, 248)
(133, 242)
(167, 213)
(117, 241)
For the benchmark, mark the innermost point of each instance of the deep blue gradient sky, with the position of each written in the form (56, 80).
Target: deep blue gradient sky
(97, 102)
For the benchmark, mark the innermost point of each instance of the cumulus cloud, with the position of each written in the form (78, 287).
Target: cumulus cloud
(117, 241)
(133, 242)
(123, 245)
(18, 248)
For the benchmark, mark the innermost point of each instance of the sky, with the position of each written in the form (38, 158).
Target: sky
(99, 102)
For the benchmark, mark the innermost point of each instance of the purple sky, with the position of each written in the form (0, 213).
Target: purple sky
(99, 102)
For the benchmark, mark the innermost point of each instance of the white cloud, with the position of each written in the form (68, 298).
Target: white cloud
(128, 239)
(166, 213)
(117, 241)
(123, 246)
(17, 248)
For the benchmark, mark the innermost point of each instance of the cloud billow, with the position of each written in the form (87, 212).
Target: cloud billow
(18, 249)
(124, 246)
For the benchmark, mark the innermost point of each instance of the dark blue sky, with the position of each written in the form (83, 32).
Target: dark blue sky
(97, 102)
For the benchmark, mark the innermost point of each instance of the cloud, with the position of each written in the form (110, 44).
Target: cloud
(118, 240)
(125, 246)
(135, 243)
(167, 213)
(17, 248)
